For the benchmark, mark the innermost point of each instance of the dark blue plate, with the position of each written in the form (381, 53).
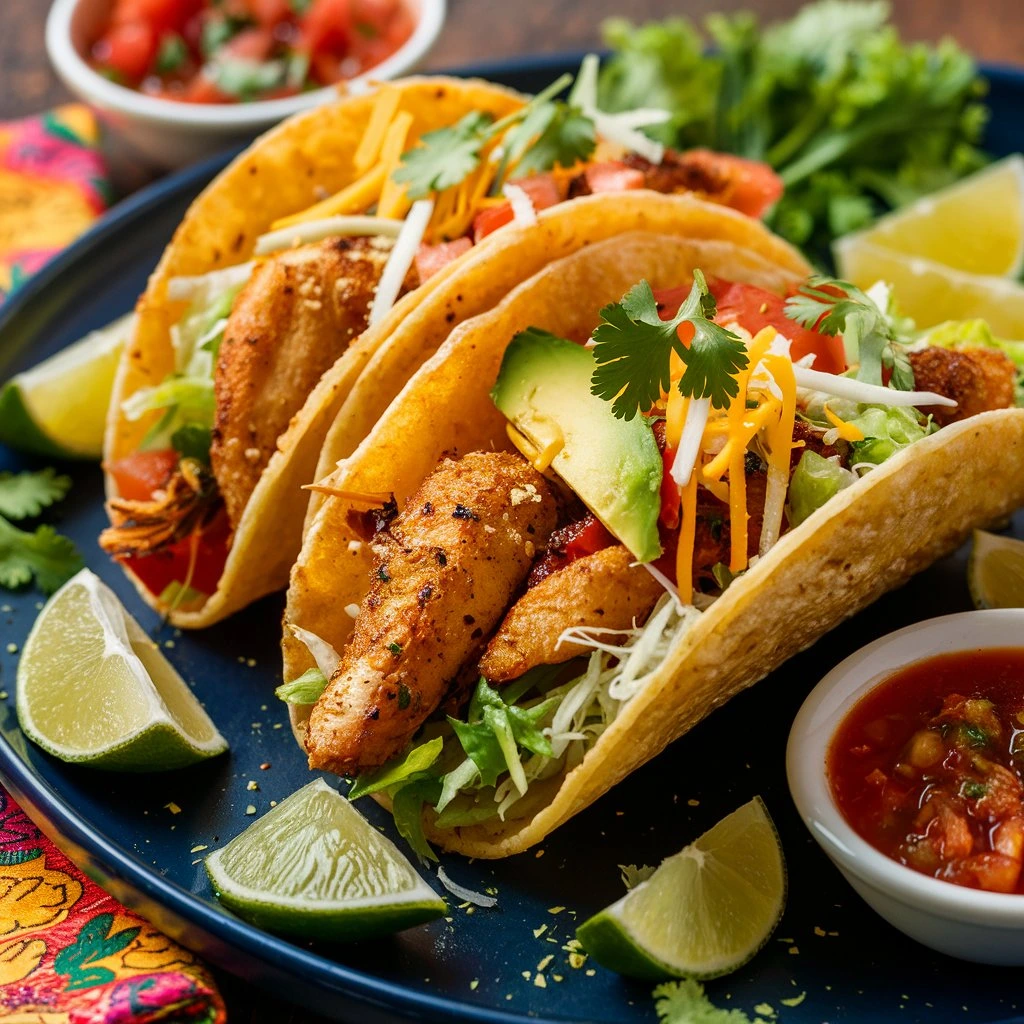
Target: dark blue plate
(830, 949)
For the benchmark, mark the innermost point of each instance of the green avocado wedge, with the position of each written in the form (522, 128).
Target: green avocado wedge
(613, 465)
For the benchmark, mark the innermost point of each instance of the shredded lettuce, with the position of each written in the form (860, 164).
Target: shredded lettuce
(412, 766)
(978, 334)
(815, 480)
(886, 431)
(305, 690)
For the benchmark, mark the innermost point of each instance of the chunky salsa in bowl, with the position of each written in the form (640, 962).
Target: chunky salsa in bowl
(906, 763)
(229, 51)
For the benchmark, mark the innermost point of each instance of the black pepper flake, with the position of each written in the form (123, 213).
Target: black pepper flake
(395, 649)
(427, 510)
(382, 575)
(373, 714)
(403, 696)
(425, 594)
(442, 558)
(461, 512)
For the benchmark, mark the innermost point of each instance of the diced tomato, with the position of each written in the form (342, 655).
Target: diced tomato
(376, 14)
(269, 12)
(250, 44)
(671, 492)
(751, 186)
(590, 538)
(128, 49)
(613, 176)
(753, 308)
(161, 15)
(203, 90)
(138, 475)
(543, 192)
(171, 565)
(432, 258)
(327, 26)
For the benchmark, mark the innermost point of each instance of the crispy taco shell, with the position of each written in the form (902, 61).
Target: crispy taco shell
(870, 538)
(283, 172)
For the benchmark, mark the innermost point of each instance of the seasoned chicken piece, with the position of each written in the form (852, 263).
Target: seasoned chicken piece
(602, 590)
(977, 379)
(445, 570)
(299, 311)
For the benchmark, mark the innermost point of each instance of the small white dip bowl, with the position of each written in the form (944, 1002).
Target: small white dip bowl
(985, 927)
(167, 134)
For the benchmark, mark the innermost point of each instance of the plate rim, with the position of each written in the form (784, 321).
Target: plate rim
(82, 843)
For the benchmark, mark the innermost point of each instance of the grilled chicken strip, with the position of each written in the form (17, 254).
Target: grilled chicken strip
(299, 311)
(977, 379)
(602, 590)
(445, 570)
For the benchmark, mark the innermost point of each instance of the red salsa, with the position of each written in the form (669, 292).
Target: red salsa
(927, 767)
(228, 51)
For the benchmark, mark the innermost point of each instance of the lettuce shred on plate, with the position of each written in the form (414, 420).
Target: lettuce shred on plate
(854, 120)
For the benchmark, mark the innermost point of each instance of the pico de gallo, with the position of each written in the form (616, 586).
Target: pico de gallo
(229, 51)
(929, 768)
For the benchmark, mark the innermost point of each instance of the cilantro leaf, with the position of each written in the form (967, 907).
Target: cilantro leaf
(23, 495)
(45, 555)
(632, 875)
(831, 306)
(567, 138)
(684, 1002)
(444, 157)
(633, 346)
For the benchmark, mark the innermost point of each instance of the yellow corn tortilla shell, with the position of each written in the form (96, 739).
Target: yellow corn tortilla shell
(285, 171)
(870, 538)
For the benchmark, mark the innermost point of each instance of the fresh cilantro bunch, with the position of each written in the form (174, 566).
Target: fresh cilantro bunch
(43, 555)
(633, 348)
(874, 338)
(854, 120)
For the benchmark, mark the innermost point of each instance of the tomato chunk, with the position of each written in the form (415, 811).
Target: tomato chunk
(749, 186)
(432, 258)
(543, 192)
(327, 26)
(138, 475)
(127, 49)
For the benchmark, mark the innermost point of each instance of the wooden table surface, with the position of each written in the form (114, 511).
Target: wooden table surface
(479, 30)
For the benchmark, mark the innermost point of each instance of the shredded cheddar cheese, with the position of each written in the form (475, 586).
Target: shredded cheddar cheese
(355, 198)
(847, 431)
(383, 113)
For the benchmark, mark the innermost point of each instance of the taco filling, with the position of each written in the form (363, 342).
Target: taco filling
(520, 599)
(254, 339)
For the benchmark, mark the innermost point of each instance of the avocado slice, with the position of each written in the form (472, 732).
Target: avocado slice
(613, 465)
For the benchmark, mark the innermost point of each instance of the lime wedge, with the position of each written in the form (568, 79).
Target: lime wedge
(59, 408)
(976, 225)
(315, 867)
(706, 910)
(995, 571)
(93, 688)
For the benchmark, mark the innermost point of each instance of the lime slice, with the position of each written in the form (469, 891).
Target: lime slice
(976, 225)
(706, 911)
(931, 292)
(93, 688)
(315, 867)
(59, 408)
(995, 571)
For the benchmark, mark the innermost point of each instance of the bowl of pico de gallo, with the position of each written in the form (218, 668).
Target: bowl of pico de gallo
(176, 80)
(906, 763)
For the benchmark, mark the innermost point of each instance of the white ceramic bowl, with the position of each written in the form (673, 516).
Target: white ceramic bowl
(166, 134)
(985, 927)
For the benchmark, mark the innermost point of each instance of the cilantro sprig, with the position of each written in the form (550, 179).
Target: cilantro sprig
(633, 348)
(43, 555)
(447, 156)
(872, 335)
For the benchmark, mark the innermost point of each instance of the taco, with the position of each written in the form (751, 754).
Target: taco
(377, 222)
(605, 507)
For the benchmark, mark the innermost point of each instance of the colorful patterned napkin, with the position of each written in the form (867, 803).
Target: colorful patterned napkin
(69, 953)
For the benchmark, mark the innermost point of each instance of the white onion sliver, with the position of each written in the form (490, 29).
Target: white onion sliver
(630, 138)
(314, 230)
(326, 657)
(642, 117)
(869, 394)
(689, 440)
(469, 895)
(664, 581)
(184, 289)
(523, 213)
(400, 260)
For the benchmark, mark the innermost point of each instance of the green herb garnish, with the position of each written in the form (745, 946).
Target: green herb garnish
(633, 346)
(45, 555)
(305, 690)
(172, 54)
(26, 494)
